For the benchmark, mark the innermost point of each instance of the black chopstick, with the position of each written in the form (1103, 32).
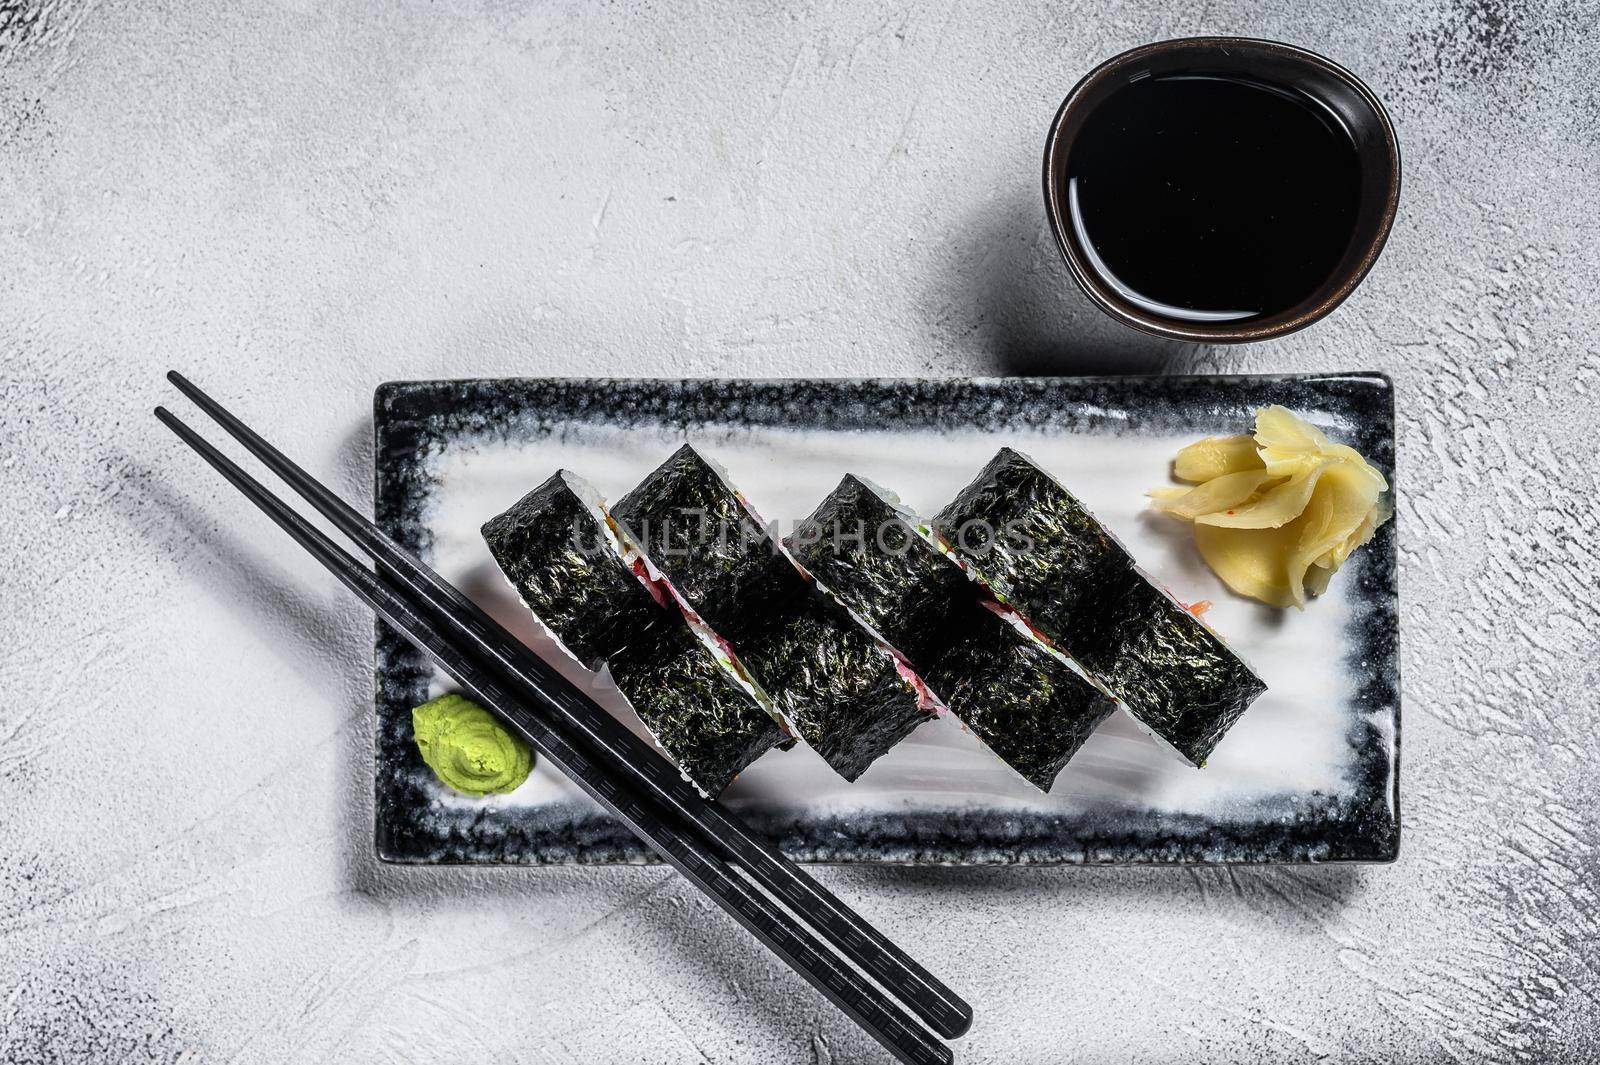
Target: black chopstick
(863, 1002)
(941, 1008)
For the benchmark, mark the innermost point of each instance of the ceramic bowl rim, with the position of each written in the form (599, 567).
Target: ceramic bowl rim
(1068, 121)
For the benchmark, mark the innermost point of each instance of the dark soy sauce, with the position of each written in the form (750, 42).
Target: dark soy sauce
(1211, 198)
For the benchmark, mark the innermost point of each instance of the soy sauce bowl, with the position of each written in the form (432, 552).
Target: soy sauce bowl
(1267, 63)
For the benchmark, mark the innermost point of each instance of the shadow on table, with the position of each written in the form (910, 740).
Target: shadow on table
(249, 584)
(1287, 890)
(1008, 289)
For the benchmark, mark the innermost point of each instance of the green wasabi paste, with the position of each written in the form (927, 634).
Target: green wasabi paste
(467, 748)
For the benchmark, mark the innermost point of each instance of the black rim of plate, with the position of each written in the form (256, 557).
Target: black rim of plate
(413, 419)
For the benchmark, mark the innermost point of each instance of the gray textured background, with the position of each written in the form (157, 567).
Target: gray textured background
(294, 201)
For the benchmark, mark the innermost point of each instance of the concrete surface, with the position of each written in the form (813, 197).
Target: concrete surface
(294, 201)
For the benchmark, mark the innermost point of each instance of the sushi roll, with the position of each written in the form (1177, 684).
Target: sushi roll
(1047, 557)
(699, 530)
(858, 546)
(568, 565)
(842, 691)
(590, 588)
(1030, 705)
(693, 703)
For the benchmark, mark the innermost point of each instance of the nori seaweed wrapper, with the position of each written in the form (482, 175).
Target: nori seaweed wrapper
(1049, 558)
(553, 547)
(1031, 708)
(860, 548)
(821, 670)
(1176, 675)
(705, 721)
(1031, 540)
(693, 527)
(843, 691)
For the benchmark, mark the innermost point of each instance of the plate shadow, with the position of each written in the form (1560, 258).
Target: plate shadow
(1024, 312)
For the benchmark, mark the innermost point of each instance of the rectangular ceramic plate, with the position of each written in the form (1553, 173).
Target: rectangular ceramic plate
(1310, 773)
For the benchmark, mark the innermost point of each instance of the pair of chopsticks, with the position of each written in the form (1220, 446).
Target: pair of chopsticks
(741, 872)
